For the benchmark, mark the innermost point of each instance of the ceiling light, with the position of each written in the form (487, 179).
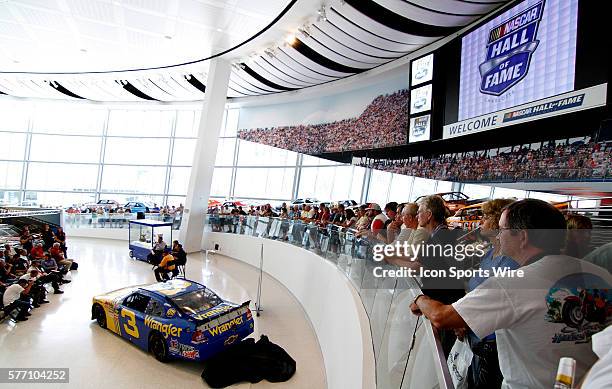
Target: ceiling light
(290, 39)
(305, 31)
(83, 50)
(167, 37)
(14, 61)
(270, 52)
(219, 30)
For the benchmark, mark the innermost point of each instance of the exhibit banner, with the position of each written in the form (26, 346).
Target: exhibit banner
(579, 100)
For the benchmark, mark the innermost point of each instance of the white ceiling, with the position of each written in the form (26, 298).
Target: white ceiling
(109, 35)
(92, 49)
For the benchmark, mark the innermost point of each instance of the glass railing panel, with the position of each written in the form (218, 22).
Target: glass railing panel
(379, 315)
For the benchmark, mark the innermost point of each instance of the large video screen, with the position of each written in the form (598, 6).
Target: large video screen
(524, 54)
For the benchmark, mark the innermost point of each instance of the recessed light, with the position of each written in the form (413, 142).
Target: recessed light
(83, 50)
(167, 37)
(219, 30)
(290, 39)
(15, 61)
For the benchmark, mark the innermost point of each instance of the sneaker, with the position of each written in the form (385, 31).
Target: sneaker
(58, 292)
(45, 302)
(66, 281)
(27, 314)
(36, 305)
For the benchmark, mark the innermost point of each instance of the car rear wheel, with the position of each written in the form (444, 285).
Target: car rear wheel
(158, 347)
(100, 315)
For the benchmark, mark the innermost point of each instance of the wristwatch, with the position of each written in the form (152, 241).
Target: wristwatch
(416, 298)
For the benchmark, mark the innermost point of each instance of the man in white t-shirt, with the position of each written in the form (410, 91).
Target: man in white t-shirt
(549, 312)
(600, 375)
(12, 298)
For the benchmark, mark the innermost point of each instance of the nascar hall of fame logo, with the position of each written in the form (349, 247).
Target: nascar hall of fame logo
(420, 126)
(509, 50)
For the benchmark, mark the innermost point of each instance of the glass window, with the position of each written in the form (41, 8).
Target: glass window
(551, 197)
(58, 176)
(272, 183)
(134, 179)
(176, 200)
(231, 122)
(444, 186)
(317, 182)
(257, 154)
(422, 187)
(137, 151)
(379, 187)
(140, 123)
(10, 197)
(59, 199)
(68, 119)
(10, 175)
(186, 125)
(56, 148)
(474, 191)
(179, 180)
(225, 152)
(12, 145)
(221, 181)
(507, 193)
(400, 188)
(344, 183)
(183, 151)
(123, 198)
(14, 116)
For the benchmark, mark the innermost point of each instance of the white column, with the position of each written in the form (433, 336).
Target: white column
(196, 204)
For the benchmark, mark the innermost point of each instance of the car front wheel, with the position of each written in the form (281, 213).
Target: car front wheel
(100, 315)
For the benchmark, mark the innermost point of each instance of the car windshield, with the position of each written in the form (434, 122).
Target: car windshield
(197, 301)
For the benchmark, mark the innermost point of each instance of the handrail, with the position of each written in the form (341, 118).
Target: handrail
(357, 251)
(28, 213)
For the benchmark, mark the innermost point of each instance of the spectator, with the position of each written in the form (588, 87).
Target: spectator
(16, 297)
(58, 255)
(166, 266)
(26, 239)
(412, 234)
(578, 235)
(155, 256)
(48, 237)
(377, 227)
(351, 219)
(520, 310)
(601, 256)
(363, 220)
(180, 256)
(37, 251)
(60, 237)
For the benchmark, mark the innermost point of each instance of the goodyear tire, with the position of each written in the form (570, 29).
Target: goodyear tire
(572, 314)
(99, 315)
(158, 347)
(131, 254)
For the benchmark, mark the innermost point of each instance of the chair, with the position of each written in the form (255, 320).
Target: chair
(180, 271)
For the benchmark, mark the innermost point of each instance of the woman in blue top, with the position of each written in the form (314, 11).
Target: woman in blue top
(484, 371)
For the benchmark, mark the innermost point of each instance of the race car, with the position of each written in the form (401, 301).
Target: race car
(177, 319)
(466, 218)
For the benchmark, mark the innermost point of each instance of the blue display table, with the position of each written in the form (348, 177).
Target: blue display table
(144, 233)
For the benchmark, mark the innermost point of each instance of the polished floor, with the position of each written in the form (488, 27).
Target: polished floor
(61, 334)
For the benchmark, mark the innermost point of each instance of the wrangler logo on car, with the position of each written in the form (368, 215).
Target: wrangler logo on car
(225, 326)
(166, 329)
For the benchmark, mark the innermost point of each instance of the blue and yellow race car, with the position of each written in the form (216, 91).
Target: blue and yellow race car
(177, 319)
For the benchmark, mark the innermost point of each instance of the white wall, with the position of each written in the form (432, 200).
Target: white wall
(330, 301)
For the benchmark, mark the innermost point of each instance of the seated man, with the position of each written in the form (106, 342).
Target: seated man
(180, 256)
(165, 266)
(16, 296)
(155, 255)
(37, 252)
(58, 254)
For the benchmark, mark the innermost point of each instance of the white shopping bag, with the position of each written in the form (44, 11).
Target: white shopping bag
(459, 360)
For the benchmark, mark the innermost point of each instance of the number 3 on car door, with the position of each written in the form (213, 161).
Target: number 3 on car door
(130, 325)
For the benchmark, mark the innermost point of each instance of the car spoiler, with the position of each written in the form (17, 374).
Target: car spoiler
(216, 318)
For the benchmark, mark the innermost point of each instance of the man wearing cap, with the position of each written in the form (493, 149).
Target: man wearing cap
(165, 266)
(378, 223)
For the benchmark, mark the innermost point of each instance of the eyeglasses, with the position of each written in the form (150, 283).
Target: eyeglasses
(501, 229)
